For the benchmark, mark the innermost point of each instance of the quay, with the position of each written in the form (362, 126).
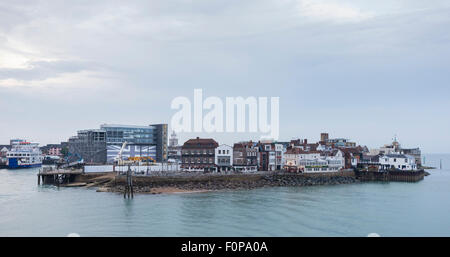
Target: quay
(394, 176)
(129, 182)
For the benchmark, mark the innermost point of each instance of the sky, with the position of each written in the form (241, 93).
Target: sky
(364, 70)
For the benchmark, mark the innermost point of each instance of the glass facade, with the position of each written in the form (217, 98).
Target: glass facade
(132, 135)
(102, 145)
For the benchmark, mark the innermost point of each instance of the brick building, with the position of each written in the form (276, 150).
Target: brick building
(199, 155)
(245, 156)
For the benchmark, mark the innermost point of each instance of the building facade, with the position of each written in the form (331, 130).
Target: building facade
(297, 160)
(245, 157)
(52, 149)
(416, 153)
(174, 149)
(270, 156)
(398, 162)
(224, 158)
(199, 155)
(88, 146)
(396, 148)
(102, 145)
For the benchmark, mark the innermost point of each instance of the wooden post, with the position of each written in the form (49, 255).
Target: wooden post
(126, 187)
(131, 186)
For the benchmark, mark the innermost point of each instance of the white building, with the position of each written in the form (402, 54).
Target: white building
(398, 161)
(224, 158)
(298, 160)
(279, 156)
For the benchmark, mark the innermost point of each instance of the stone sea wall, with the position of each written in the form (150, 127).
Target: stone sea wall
(232, 182)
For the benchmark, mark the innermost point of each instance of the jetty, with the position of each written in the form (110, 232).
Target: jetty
(49, 175)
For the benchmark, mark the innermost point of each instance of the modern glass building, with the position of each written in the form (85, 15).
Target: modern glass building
(142, 141)
(117, 134)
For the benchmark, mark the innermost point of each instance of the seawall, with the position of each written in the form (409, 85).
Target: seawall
(395, 176)
(146, 184)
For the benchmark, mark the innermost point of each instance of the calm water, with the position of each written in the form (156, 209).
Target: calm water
(389, 209)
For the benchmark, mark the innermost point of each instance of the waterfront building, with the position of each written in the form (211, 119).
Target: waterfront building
(416, 153)
(294, 156)
(224, 158)
(298, 160)
(325, 163)
(352, 155)
(199, 155)
(103, 145)
(369, 162)
(89, 146)
(142, 141)
(396, 148)
(292, 159)
(279, 155)
(245, 156)
(266, 153)
(174, 150)
(398, 162)
(270, 156)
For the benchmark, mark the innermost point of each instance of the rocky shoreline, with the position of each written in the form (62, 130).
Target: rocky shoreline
(228, 182)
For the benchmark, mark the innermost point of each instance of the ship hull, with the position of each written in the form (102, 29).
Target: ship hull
(13, 164)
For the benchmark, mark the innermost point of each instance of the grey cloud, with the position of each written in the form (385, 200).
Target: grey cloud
(158, 49)
(45, 69)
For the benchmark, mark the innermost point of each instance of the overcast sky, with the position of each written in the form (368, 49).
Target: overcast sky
(363, 69)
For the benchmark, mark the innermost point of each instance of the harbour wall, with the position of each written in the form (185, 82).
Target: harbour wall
(395, 176)
(234, 181)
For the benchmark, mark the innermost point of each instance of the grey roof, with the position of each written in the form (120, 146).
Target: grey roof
(399, 156)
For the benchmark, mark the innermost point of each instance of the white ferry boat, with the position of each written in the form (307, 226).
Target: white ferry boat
(24, 155)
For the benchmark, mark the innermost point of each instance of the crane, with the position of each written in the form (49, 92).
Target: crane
(119, 155)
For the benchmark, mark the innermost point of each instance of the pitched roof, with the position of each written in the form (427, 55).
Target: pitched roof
(247, 144)
(299, 151)
(399, 156)
(201, 142)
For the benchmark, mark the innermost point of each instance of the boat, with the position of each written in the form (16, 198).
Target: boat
(24, 155)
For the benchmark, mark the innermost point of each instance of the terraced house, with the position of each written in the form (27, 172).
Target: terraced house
(270, 156)
(245, 156)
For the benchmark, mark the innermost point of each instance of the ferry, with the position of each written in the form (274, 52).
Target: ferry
(24, 155)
